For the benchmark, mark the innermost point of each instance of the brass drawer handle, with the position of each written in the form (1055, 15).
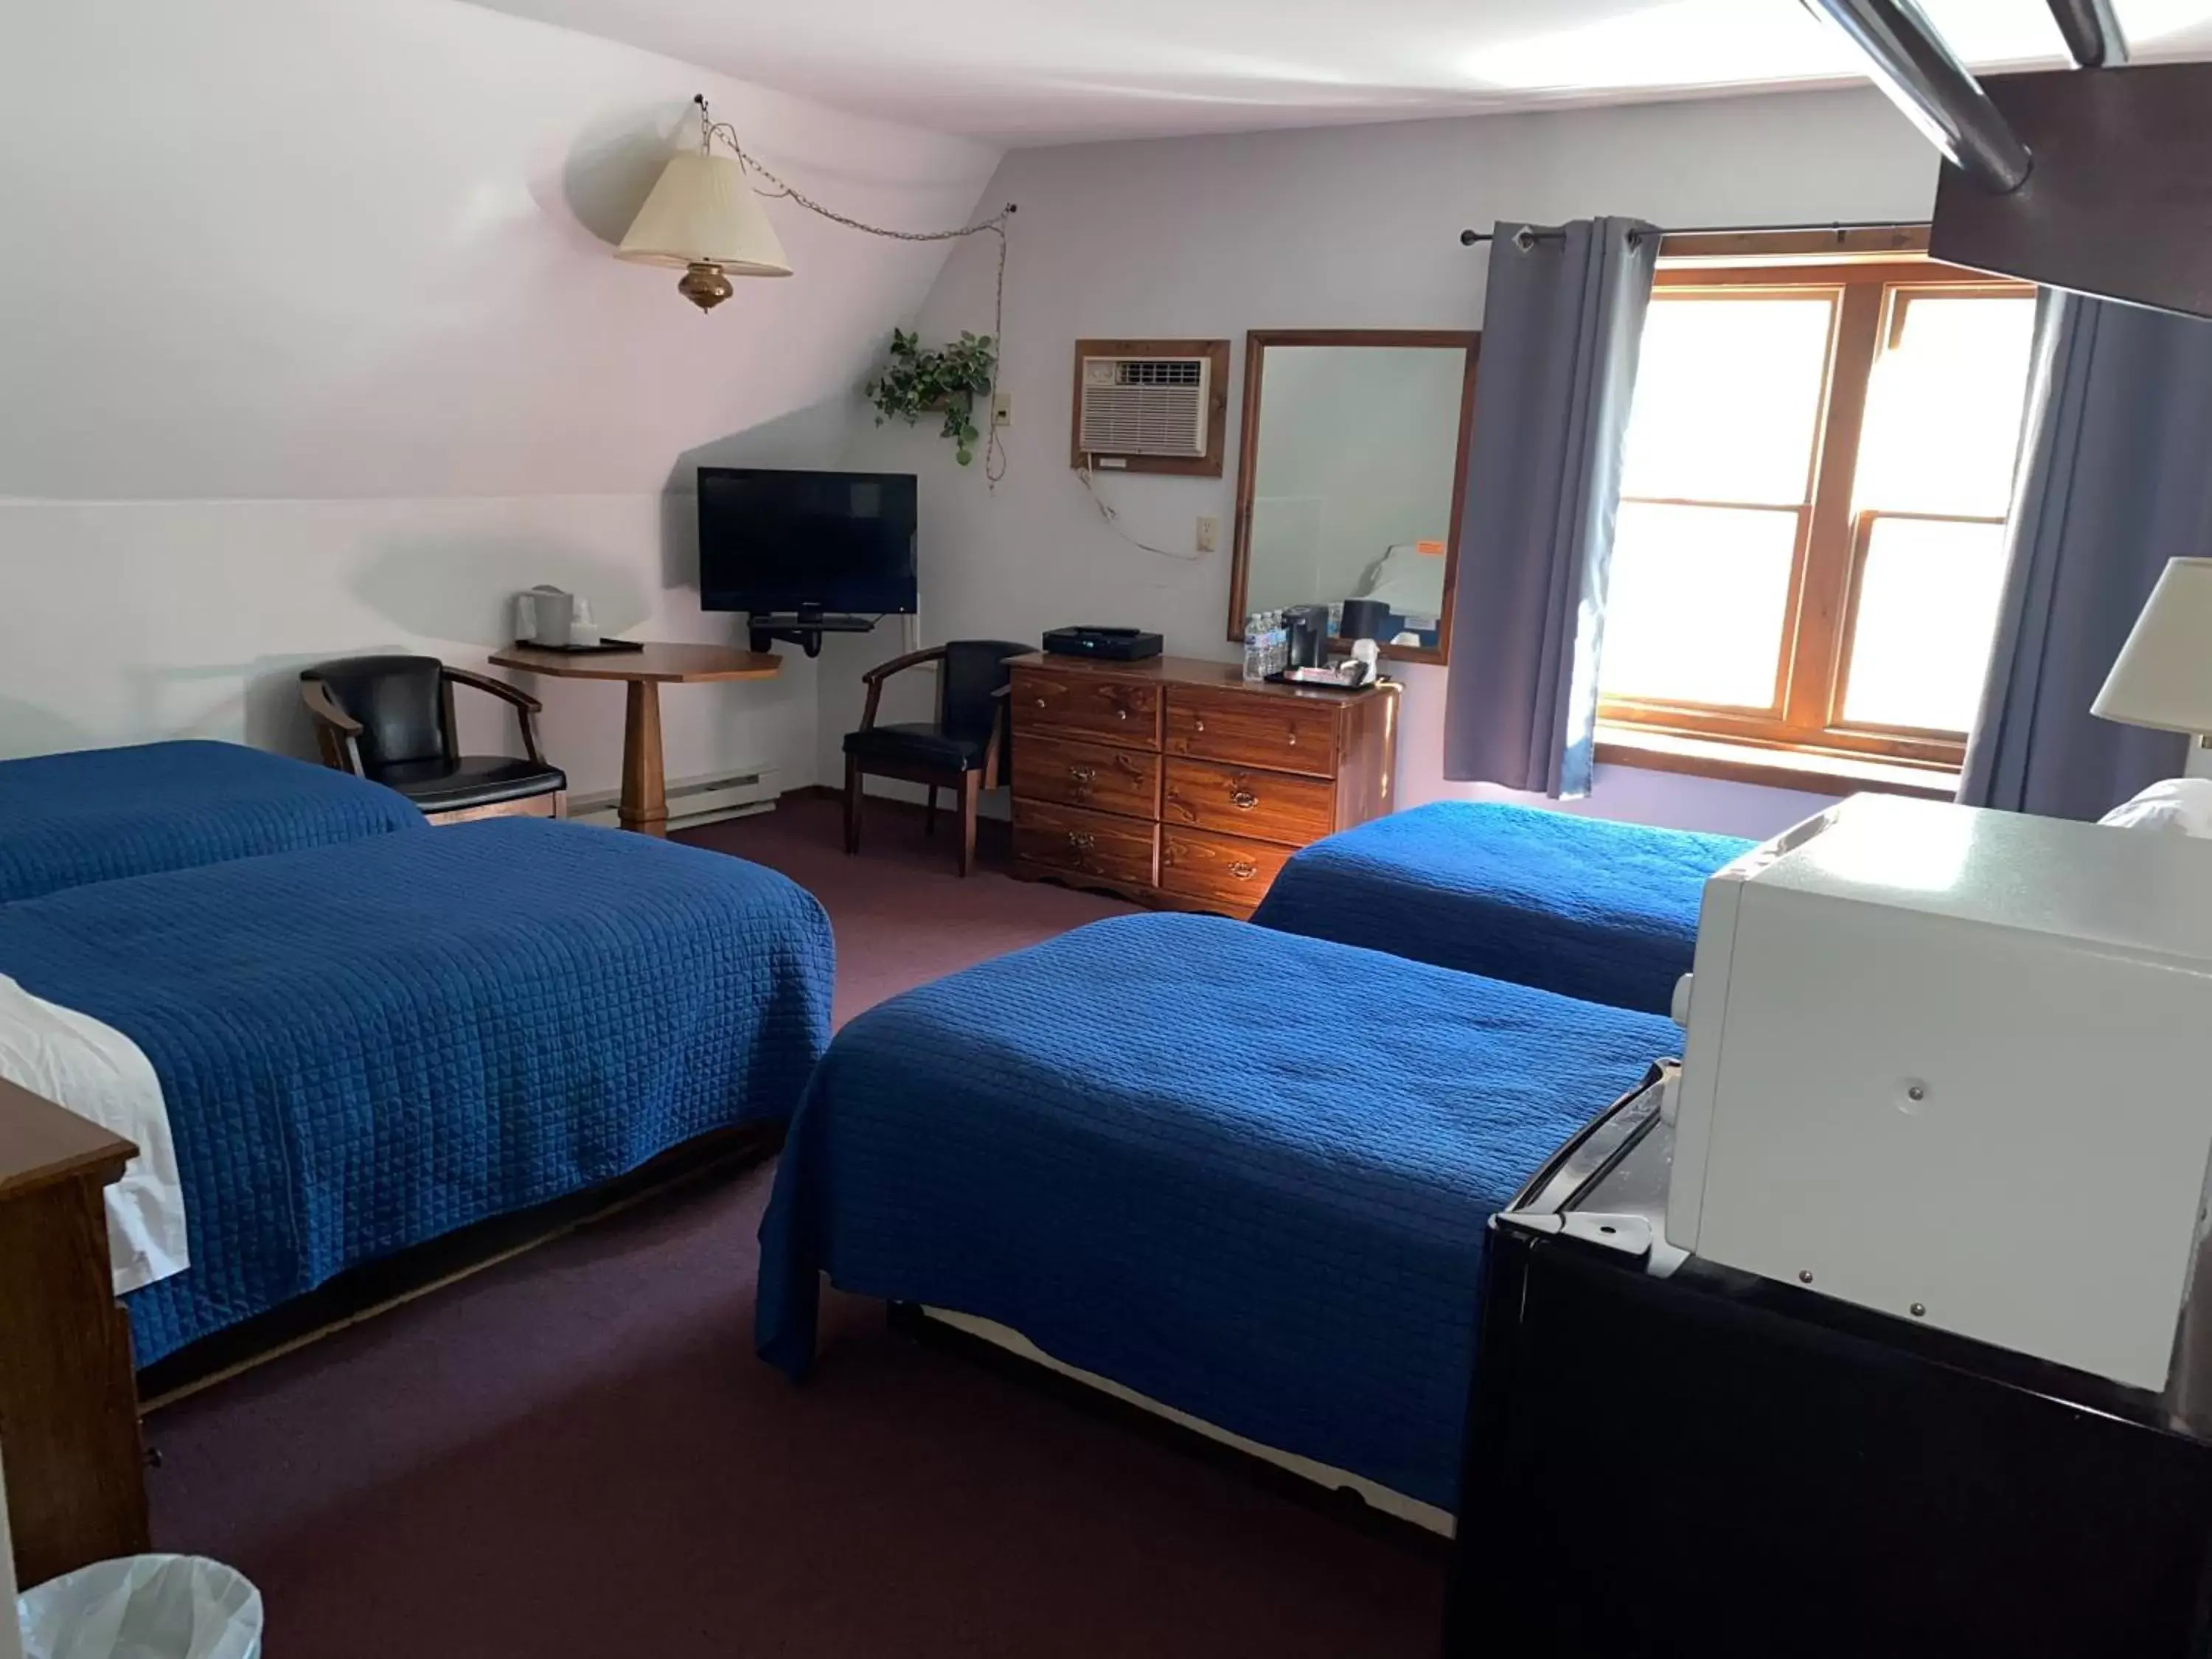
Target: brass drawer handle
(1243, 800)
(1081, 840)
(1198, 726)
(1040, 702)
(1294, 739)
(1083, 776)
(1121, 714)
(1244, 869)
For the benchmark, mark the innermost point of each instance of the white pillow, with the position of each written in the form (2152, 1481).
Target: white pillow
(2179, 806)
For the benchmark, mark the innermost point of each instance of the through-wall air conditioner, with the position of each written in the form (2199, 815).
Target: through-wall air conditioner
(1150, 405)
(1143, 405)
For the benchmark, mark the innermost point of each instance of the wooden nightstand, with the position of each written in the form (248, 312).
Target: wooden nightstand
(69, 1399)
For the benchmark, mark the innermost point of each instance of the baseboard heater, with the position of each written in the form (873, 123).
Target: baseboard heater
(691, 801)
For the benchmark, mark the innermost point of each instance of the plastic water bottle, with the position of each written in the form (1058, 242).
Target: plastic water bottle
(1278, 643)
(1255, 653)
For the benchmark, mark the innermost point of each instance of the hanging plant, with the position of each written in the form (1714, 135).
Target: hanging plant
(946, 380)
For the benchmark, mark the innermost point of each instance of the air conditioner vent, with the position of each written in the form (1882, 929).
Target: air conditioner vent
(1173, 371)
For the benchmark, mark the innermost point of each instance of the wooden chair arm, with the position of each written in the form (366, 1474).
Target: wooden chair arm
(514, 694)
(325, 707)
(882, 671)
(527, 708)
(874, 678)
(338, 733)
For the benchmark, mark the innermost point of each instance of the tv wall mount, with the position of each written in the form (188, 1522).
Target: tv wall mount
(804, 628)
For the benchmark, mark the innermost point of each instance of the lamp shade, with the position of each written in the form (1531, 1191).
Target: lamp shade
(703, 211)
(2163, 677)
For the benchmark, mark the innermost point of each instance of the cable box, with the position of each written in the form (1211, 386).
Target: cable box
(1114, 644)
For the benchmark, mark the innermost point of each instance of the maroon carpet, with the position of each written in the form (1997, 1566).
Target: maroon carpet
(903, 914)
(575, 1453)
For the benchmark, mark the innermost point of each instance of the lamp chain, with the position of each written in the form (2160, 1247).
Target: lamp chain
(994, 451)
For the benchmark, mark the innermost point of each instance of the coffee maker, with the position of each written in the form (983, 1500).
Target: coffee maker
(1309, 635)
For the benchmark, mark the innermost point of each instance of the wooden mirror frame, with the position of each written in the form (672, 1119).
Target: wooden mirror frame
(1248, 454)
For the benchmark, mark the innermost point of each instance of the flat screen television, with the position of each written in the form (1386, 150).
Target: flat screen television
(812, 542)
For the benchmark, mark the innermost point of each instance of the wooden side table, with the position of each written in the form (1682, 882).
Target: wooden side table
(644, 805)
(68, 1399)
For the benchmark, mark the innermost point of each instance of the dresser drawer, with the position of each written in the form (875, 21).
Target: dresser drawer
(1289, 734)
(1069, 773)
(1223, 870)
(1127, 711)
(1084, 843)
(1241, 801)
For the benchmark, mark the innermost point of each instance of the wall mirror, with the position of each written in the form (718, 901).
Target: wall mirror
(1353, 474)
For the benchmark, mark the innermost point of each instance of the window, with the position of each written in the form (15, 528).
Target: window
(1811, 534)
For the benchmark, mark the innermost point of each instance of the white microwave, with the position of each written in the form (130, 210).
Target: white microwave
(1956, 1065)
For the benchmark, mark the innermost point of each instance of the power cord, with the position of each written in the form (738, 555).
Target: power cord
(994, 447)
(1114, 521)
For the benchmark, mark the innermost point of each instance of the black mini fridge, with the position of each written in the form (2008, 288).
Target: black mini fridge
(1715, 1465)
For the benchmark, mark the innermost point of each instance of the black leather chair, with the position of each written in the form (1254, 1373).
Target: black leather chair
(964, 750)
(390, 720)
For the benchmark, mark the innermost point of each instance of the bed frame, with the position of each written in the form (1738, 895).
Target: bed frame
(1303, 1476)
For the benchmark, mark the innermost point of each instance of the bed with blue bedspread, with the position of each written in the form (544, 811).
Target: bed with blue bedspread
(362, 1047)
(1602, 911)
(1244, 1174)
(102, 814)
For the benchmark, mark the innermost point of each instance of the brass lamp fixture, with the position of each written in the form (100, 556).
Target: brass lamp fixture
(703, 218)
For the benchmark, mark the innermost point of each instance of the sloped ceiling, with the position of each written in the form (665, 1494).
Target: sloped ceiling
(1056, 71)
(338, 248)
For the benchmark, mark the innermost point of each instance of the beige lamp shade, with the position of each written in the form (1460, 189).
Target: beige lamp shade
(2164, 675)
(703, 211)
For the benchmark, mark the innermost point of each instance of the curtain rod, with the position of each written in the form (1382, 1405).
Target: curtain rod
(1526, 238)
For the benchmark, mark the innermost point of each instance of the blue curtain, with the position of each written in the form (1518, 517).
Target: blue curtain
(2116, 479)
(1561, 327)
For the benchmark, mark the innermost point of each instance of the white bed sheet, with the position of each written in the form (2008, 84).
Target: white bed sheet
(99, 1074)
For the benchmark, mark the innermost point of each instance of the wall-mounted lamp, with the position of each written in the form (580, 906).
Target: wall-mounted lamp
(703, 218)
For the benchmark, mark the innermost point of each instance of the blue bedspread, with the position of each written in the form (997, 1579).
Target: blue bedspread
(99, 814)
(364, 1046)
(1605, 912)
(1244, 1174)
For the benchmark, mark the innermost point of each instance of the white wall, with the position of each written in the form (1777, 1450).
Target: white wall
(311, 342)
(1343, 227)
(193, 618)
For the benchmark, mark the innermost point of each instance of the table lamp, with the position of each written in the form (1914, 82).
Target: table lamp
(2163, 677)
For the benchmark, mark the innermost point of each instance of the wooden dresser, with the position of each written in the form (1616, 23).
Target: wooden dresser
(1178, 783)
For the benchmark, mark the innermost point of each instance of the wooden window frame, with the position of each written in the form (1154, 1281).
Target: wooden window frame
(1801, 737)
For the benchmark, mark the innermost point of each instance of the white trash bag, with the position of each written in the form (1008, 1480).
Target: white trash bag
(144, 1607)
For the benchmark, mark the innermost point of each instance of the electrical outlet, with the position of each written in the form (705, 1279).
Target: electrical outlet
(1209, 534)
(1002, 408)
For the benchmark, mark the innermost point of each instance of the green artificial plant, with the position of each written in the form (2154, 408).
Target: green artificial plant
(948, 380)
